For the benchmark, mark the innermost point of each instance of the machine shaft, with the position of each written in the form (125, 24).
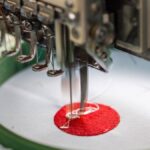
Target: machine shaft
(83, 85)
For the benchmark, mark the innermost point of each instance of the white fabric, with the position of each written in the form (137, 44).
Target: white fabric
(29, 101)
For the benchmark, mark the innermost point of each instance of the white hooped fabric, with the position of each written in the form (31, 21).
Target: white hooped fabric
(29, 101)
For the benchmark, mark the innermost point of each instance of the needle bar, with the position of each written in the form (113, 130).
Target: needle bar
(84, 85)
(70, 88)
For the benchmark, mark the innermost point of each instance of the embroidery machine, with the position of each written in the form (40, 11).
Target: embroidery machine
(75, 33)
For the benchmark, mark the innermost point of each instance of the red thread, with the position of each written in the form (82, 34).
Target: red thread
(98, 122)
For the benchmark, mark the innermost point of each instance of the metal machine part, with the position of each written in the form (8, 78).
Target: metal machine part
(76, 32)
(87, 22)
(29, 9)
(44, 35)
(12, 21)
(133, 27)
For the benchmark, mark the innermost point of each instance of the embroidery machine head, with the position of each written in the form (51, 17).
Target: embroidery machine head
(75, 33)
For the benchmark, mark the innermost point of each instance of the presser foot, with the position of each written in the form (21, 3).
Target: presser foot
(9, 53)
(39, 67)
(80, 112)
(24, 58)
(54, 73)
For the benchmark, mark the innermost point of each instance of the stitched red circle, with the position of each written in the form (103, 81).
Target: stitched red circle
(98, 122)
